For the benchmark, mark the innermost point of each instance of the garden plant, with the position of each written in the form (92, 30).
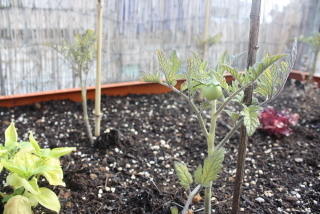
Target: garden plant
(27, 163)
(314, 42)
(267, 77)
(81, 55)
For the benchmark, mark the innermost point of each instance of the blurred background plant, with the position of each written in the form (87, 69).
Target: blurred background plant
(314, 42)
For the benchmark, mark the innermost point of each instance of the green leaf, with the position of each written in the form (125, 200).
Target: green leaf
(220, 78)
(234, 72)
(251, 118)
(34, 144)
(211, 167)
(18, 205)
(54, 177)
(174, 210)
(201, 65)
(234, 115)
(258, 68)
(12, 167)
(11, 137)
(150, 77)
(31, 185)
(183, 174)
(198, 175)
(169, 67)
(58, 152)
(48, 199)
(45, 168)
(14, 180)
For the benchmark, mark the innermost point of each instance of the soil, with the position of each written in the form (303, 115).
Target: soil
(130, 168)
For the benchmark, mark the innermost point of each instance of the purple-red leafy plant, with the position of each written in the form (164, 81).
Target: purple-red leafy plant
(277, 122)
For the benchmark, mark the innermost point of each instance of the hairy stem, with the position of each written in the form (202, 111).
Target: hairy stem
(85, 112)
(230, 133)
(210, 144)
(194, 108)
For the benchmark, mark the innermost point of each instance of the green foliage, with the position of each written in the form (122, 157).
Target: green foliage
(200, 43)
(183, 174)
(251, 118)
(174, 210)
(26, 162)
(268, 78)
(313, 41)
(81, 53)
(211, 167)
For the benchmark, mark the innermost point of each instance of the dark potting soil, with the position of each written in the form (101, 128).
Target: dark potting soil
(130, 169)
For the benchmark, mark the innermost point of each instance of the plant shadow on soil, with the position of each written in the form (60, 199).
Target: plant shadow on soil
(130, 169)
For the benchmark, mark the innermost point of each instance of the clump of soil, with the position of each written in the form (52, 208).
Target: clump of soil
(130, 168)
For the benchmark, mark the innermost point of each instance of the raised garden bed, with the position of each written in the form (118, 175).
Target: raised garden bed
(130, 170)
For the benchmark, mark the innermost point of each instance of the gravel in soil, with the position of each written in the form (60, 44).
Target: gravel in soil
(130, 168)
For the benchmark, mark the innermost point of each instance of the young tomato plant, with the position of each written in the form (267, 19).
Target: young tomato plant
(268, 78)
(81, 55)
(26, 162)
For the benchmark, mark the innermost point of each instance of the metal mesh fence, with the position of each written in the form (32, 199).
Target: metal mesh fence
(132, 31)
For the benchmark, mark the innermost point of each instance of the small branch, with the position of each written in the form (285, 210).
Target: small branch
(229, 99)
(191, 196)
(229, 135)
(193, 106)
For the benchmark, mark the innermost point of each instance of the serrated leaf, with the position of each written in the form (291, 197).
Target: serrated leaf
(234, 115)
(272, 81)
(260, 67)
(183, 174)
(175, 62)
(198, 175)
(205, 105)
(201, 65)
(169, 67)
(212, 166)
(220, 78)
(150, 77)
(234, 72)
(251, 118)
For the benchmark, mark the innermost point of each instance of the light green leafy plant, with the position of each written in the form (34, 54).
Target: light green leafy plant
(81, 55)
(314, 42)
(268, 77)
(26, 162)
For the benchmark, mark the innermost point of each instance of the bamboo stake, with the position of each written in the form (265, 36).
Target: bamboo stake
(98, 113)
(252, 52)
(205, 32)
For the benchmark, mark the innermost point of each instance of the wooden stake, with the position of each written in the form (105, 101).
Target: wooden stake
(97, 110)
(252, 50)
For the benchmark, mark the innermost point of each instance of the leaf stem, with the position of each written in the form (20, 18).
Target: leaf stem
(230, 133)
(193, 106)
(190, 197)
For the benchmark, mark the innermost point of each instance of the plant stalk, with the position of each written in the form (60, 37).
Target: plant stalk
(210, 143)
(85, 112)
(191, 196)
(97, 110)
(313, 67)
(252, 50)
